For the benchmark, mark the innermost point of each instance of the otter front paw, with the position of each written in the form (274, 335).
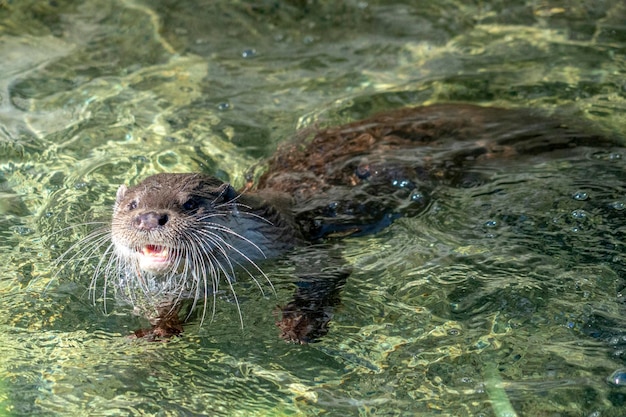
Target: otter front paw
(160, 332)
(303, 326)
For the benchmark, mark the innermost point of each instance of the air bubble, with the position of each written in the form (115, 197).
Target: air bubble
(331, 209)
(417, 196)
(580, 196)
(608, 156)
(223, 106)
(491, 223)
(579, 214)
(401, 183)
(248, 53)
(618, 378)
(363, 172)
(618, 205)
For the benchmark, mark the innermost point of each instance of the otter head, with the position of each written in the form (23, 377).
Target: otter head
(172, 222)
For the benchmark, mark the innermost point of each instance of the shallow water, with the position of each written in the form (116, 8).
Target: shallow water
(499, 299)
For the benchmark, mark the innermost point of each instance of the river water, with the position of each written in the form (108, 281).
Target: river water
(499, 300)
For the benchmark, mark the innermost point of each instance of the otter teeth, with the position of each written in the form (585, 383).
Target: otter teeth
(154, 258)
(155, 251)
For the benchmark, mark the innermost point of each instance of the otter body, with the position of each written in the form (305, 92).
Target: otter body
(179, 236)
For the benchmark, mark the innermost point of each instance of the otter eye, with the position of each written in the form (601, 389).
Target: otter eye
(132, 205)
(190, 204)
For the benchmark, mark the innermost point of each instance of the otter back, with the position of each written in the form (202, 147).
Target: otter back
(357, 178)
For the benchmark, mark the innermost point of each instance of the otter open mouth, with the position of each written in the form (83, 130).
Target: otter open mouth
(154, 258)
(155, 251)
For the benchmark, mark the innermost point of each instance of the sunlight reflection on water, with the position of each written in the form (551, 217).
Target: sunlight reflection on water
(524, 272)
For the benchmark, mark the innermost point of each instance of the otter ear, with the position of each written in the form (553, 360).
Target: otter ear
(121, 192)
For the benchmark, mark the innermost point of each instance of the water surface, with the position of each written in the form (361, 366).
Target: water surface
(501, 298)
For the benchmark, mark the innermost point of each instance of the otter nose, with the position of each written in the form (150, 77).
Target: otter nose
(150, 220)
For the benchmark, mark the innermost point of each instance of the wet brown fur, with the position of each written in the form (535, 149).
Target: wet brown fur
(424, 144)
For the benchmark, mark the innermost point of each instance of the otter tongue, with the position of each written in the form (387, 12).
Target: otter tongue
(154, 251)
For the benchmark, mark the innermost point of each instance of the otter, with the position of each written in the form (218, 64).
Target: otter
(179, 236)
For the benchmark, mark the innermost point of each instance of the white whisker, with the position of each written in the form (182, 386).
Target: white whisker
(174, 244)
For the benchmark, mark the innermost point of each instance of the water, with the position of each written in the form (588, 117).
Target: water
(502, 298)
